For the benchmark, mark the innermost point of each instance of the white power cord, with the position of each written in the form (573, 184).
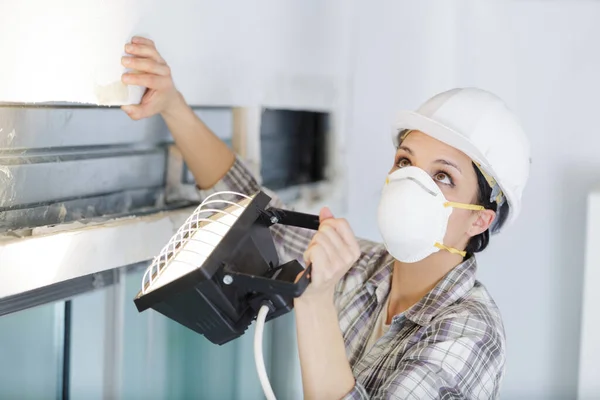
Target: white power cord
(258, 353)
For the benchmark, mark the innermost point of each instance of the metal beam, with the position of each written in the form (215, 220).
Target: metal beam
(29, 184)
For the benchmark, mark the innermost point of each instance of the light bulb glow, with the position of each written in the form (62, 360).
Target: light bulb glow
(194, 241)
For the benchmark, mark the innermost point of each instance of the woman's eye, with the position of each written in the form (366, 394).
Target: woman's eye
(403, 162)
(442, 177)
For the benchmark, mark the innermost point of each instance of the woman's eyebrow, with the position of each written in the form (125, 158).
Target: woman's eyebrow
(406, 149)
(448, 163)
(439, 161)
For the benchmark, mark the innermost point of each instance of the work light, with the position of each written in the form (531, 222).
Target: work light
(221, 270)
(221, 266)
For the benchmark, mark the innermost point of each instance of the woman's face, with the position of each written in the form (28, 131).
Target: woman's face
(454, 173)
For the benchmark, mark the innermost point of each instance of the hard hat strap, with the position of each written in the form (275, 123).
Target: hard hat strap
(497, 194)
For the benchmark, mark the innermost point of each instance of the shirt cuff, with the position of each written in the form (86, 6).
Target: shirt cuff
(357, 393)
(237, 179)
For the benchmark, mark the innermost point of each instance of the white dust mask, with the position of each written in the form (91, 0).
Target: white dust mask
(413, 215)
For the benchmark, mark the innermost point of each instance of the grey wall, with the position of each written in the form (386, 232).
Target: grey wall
(542, 58)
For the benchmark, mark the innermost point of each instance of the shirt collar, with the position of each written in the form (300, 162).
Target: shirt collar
(456, 284)
(380, 282)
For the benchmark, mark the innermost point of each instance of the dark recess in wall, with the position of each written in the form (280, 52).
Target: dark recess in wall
(293, 147)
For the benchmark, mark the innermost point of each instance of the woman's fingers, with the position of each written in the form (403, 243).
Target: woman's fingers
(148, 69)
(337, 246)
(136, 111)
(325, 213)
(342, 227)
(146, 65)
(317, 256)
(144, 51)
(329, 254)
(143, 40)
(329, 246)
(150, 81)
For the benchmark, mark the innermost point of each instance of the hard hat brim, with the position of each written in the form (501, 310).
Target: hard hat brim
(415, 121)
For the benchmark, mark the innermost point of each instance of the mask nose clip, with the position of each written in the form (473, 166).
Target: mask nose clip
(414, 180)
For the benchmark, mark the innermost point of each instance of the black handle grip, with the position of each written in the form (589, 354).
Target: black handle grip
(294, 218)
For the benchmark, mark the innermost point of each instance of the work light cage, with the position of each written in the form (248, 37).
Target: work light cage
(208, 212)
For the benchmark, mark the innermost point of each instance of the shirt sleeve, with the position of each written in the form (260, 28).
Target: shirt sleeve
(455, 359)
(290, 242)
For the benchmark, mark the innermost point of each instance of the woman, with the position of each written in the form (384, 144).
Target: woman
(403, 319)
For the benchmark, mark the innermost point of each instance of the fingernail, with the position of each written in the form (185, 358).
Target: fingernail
(126, 78)
(128, 47)
(125, 60)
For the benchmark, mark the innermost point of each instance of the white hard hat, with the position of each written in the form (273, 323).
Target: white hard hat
(479, 124)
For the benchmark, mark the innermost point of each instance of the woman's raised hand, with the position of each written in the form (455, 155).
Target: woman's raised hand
(150, 70)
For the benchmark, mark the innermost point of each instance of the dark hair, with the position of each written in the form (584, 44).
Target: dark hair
(484, 192)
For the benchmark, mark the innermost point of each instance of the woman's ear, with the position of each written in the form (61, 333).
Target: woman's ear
(482, 222)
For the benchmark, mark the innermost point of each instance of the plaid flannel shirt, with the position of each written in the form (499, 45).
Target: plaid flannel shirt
(449, 345)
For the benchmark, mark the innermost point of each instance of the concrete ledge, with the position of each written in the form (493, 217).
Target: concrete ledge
(56, 254)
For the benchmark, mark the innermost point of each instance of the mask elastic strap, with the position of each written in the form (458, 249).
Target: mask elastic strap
(450, 249)
(473, 207)
(453, 204)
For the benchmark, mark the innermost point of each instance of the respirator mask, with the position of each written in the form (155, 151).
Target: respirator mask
(413, 215)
